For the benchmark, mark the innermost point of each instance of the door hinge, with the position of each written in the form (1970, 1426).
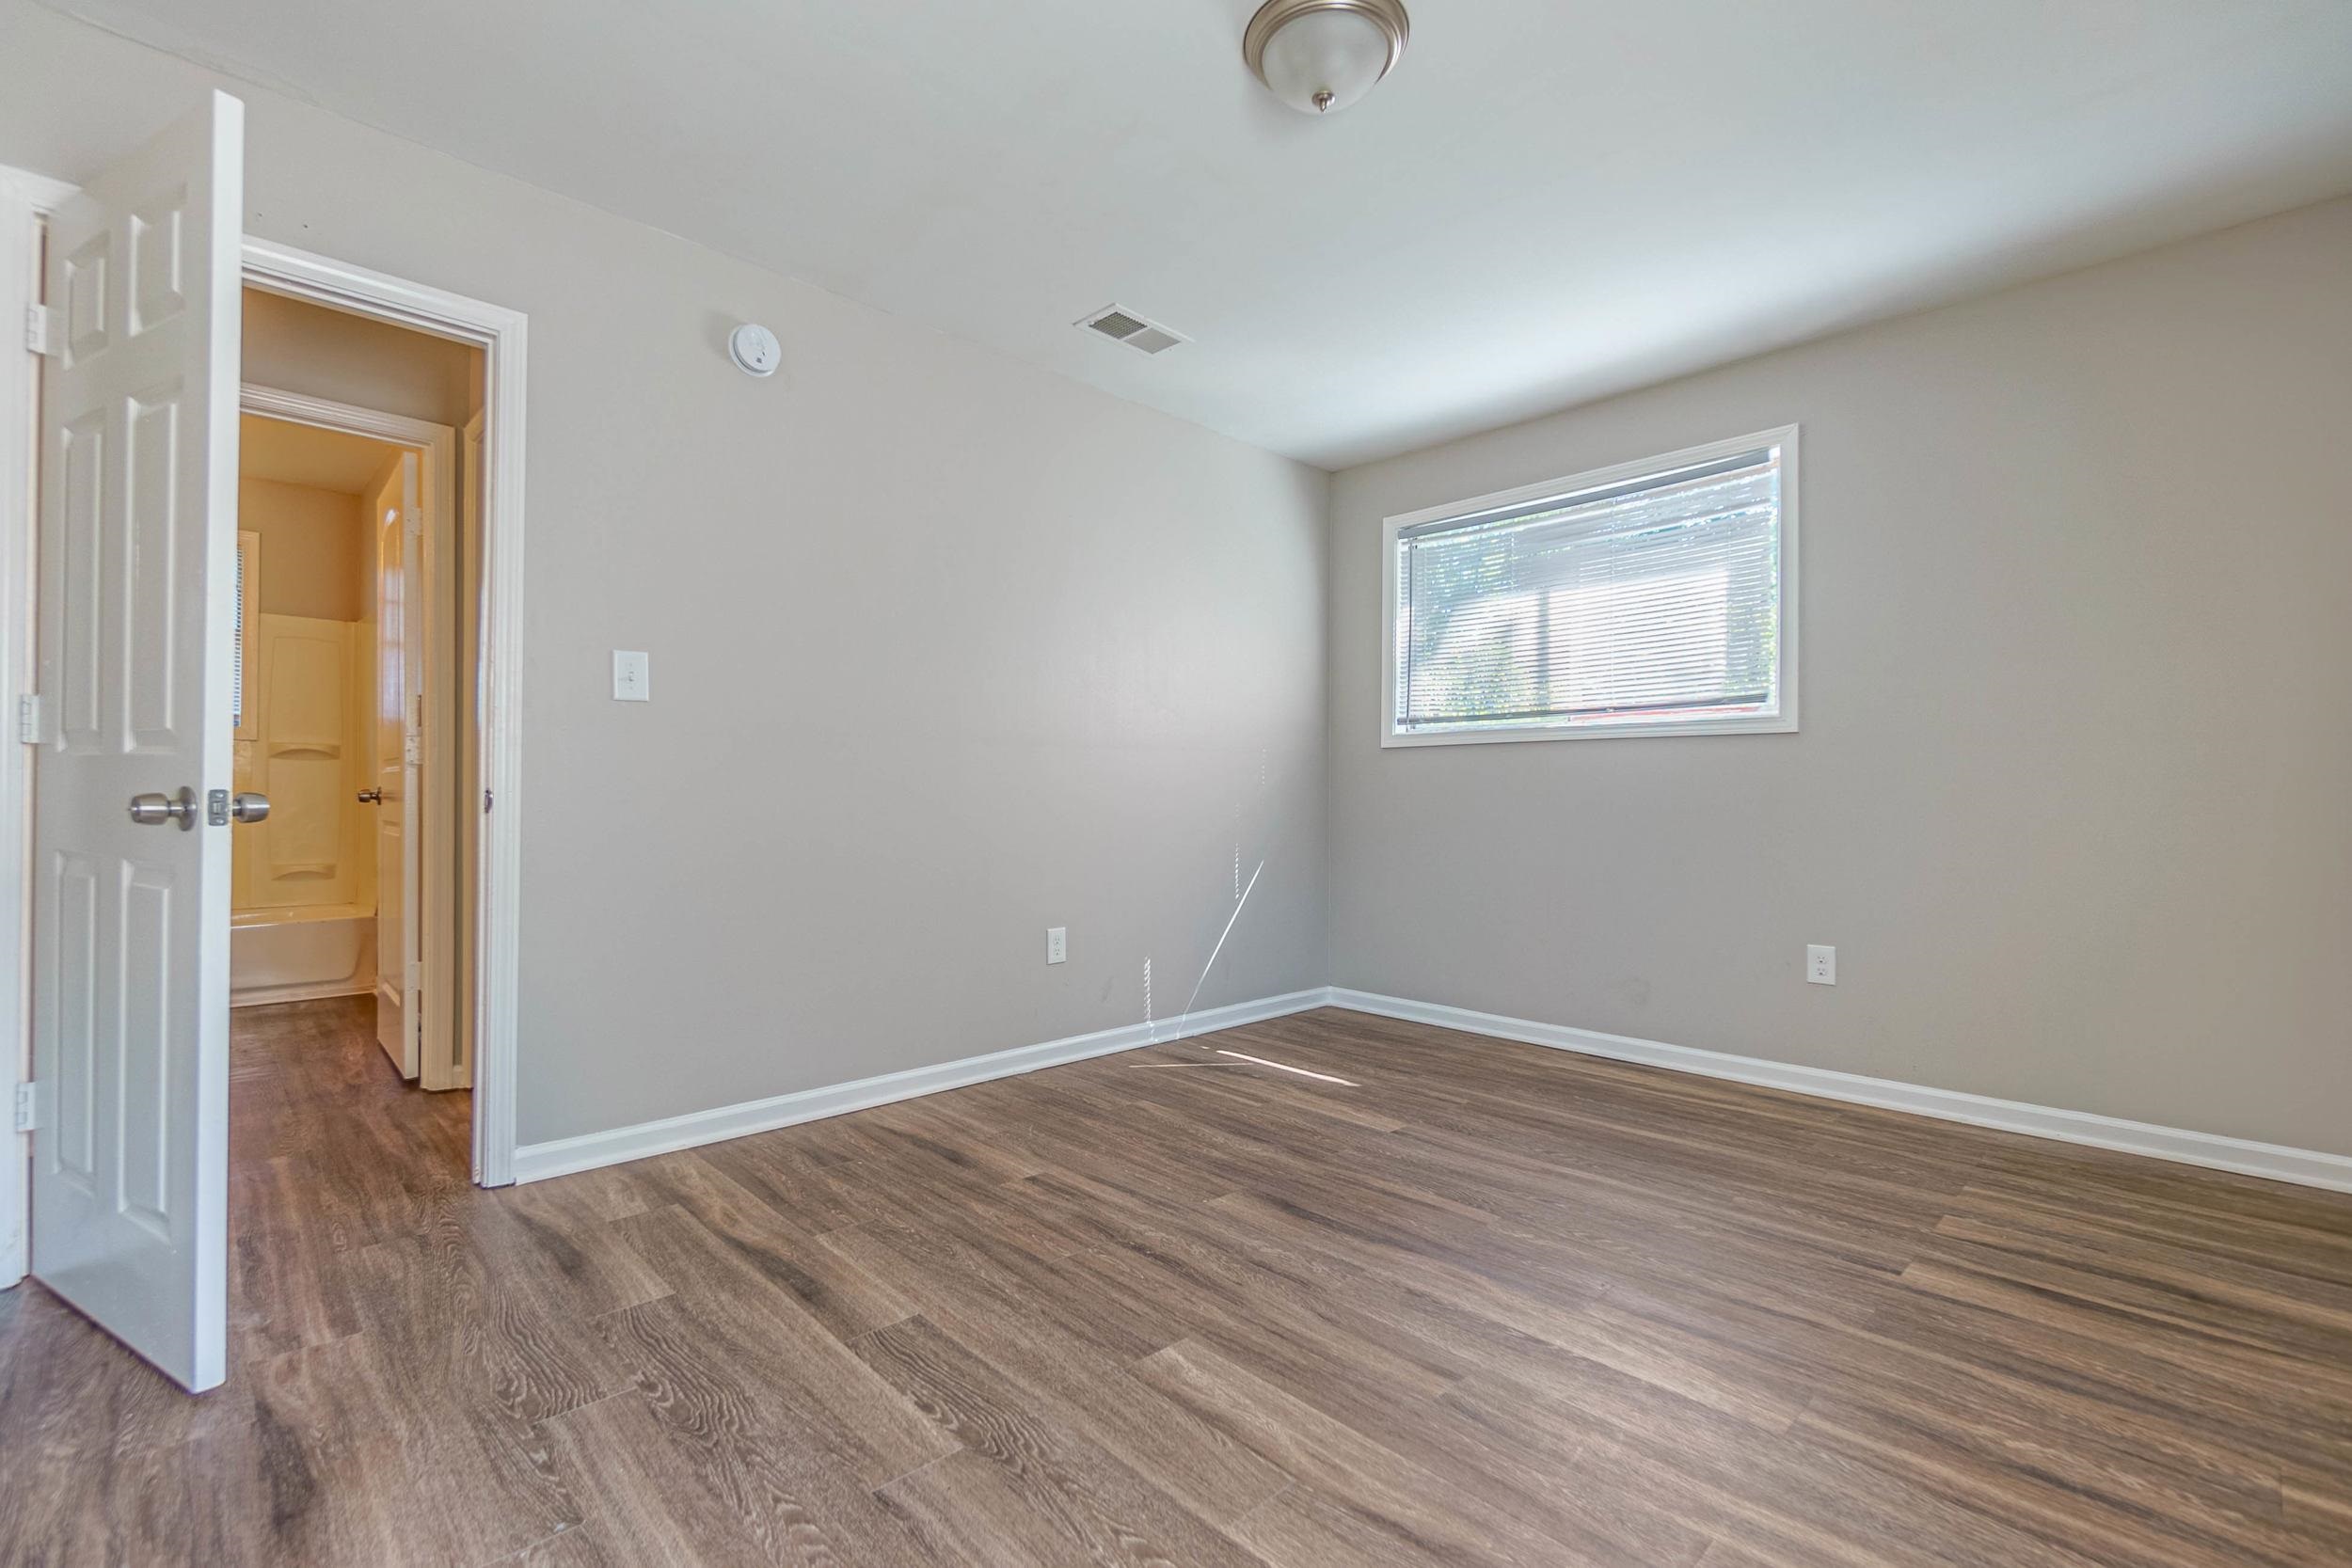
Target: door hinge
(27, 1107)
(28, 718)
(39, 333)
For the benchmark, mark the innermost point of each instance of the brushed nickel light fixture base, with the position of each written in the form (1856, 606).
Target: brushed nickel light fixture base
(1317, 56)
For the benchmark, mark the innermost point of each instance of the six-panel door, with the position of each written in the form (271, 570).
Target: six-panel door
(135, 614)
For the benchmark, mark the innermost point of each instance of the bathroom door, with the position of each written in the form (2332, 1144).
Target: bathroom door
(132, 773)
(399, 735)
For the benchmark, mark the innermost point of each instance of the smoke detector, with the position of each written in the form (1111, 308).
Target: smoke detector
(755, 349)
(1123, 325)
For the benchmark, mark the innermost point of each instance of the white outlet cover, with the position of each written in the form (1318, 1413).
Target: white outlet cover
(1821, 965)
(1057, 944)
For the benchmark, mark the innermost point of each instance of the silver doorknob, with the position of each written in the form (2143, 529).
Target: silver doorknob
(371, 797)
(249, 807)
(150, 810)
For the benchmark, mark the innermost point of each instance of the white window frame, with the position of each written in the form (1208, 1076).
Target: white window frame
(1782, 722)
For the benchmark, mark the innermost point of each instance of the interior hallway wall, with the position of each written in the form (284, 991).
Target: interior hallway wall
(947, 650)
(310, 549)
(2073, 797)
(293, 345)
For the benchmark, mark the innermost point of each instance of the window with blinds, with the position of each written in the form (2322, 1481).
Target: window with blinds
(1656, 597)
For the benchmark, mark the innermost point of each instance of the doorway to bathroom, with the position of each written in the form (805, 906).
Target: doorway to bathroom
(119, 518)
(357, 592)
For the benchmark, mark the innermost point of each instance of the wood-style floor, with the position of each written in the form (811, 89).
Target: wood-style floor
(1490, 1304)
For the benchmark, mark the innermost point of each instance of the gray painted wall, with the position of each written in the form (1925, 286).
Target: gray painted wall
(946, 649)
(2073, 794)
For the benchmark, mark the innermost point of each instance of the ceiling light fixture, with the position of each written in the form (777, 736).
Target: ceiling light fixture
(1318, 56)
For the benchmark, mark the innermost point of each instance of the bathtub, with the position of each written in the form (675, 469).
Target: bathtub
(293, 955)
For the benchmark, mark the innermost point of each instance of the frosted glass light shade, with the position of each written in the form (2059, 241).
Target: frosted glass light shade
(1320, 57)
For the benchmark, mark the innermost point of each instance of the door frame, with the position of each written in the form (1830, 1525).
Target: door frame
(25, 200)
(502, 335)
(436, 446)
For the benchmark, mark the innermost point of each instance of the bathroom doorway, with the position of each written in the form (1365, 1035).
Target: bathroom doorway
(357, 605)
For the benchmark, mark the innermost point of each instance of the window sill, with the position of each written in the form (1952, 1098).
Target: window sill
(1778, 723)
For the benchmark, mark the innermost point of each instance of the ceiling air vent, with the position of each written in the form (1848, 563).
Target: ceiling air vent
(1127, 327)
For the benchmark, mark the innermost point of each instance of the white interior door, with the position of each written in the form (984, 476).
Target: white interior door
(139, 510)
(399, 738)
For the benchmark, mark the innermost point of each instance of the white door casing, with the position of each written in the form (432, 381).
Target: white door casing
(138, 546)
(400, 585)
(503, 334)
(465, 820)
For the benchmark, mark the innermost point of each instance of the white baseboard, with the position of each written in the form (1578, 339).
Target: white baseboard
(2304, 1166)
(561, 1156)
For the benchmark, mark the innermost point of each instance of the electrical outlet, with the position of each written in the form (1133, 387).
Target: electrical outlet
(1057, 944)
(632, 676)
(1821, 965)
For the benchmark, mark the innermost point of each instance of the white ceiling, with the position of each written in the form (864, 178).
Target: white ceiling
(304, 455)
(1549, 200)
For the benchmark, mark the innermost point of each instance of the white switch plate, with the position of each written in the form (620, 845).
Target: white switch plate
(1821, 965)
(1057, 943)
(632, 676)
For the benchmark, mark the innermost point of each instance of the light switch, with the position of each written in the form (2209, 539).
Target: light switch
(632, 676)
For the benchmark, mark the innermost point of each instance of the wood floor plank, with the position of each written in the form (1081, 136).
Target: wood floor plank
(967, 1509)
(2102, 1371)
(2316, 1504)
(938, 1265)
(1401, 1498)
(2082, 1493)
(292, 1287)
(1785, 1501)
(642, 1500)
(1104, 1508)
(726, 1327)
(455, 1320)
(1479, 1303)
(840, 1292)
(1305, 1525)
(564, 1244)
(353, 1436)
(1101, 1403)
(581, 1547)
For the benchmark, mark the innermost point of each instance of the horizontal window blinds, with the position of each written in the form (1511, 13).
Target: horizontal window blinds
(1651, 601)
